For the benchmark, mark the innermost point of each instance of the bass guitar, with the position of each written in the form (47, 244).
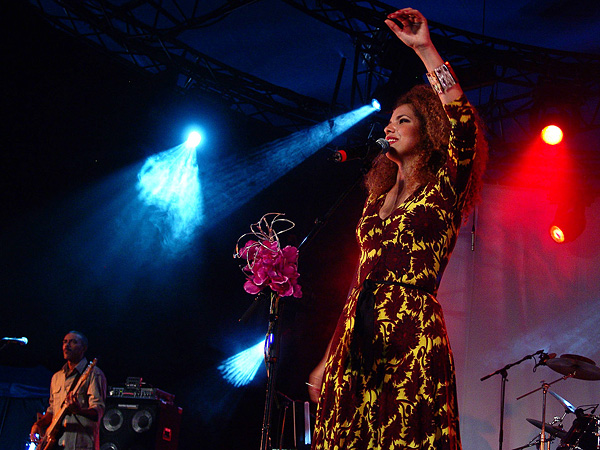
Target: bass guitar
(52, 434)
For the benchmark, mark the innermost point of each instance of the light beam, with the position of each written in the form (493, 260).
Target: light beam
(233, 182)
(169, 181)
(241, 369)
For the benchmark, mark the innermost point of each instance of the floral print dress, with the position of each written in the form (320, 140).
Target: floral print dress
(404, 395)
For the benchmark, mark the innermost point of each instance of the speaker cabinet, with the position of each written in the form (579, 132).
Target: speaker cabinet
(139, 424)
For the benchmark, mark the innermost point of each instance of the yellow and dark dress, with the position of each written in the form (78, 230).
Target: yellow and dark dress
(389, 380)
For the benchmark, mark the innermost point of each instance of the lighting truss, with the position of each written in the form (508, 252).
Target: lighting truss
(517, 76)
(514, 83)
(512, 80)
(146, 33)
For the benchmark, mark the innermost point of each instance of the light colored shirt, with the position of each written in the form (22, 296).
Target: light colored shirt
(80, 433)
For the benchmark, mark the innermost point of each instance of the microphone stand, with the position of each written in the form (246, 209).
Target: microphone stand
(504, 372)
(276, 309)
(271, 358)
(320, 222)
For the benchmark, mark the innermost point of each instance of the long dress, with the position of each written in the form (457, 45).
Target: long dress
(405, 396)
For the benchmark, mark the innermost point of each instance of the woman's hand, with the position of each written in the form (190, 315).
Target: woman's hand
(414, 31)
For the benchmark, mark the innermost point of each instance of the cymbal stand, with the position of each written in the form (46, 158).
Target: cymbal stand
(545, 386)
(504, 372)
(535, 441)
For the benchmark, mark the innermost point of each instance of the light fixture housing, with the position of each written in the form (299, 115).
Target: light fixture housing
(569, 222)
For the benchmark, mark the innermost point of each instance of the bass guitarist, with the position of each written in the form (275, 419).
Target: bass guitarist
(81, 402)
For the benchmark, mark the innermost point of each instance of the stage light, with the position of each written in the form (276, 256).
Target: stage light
(552, 134)
(241, 369)
(569, 222)
(557, 234)
(376, 105)
(234, 180)
(193, 140)
(169, 181)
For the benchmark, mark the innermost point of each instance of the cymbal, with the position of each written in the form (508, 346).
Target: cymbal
(568, 406)
(550, 429)
(576, 366)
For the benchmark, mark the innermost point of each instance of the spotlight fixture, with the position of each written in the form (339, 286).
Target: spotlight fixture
(376, 104)
(552, 135)
(569, 222)
(193, 140)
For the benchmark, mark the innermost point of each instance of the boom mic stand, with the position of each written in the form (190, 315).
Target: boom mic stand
(275, 311)
(504, 372)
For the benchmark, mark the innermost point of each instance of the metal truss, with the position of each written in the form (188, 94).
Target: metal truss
(147, 34)
(516, 85)
(514, 82)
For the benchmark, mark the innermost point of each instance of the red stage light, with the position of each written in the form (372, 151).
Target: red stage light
(569, 222)
(557, 234)
(552, 135)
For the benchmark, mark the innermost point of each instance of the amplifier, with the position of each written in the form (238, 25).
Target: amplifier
(139, 424)
(141, 393)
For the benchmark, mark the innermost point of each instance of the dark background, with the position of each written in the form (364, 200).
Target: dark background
(76, 127)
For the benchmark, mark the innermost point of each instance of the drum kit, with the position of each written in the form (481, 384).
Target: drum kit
(584, 434)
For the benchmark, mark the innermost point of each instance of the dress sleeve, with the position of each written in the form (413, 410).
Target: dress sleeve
(461, 147)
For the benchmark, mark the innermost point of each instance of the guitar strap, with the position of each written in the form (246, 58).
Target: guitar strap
(77, 418)
(73, 384)
(75, 381)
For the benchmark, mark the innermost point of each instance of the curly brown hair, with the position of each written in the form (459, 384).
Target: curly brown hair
(434, 134)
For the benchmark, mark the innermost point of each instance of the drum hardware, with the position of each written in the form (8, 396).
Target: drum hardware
(569, 408)
(545, 387)
(576, 366)
(584, 434)
(552, 430)
(535, 441)
(592, 408)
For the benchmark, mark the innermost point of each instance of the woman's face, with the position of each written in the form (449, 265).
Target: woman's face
(403, 133)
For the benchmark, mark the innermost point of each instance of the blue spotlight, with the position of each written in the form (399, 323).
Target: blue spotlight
(169, 181)
(233, 182)
(193, 140)
(376, 105)
(241, 369)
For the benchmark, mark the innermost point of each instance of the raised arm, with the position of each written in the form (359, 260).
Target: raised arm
(411, 28)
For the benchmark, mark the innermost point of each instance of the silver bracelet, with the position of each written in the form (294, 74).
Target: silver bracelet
(442, 78)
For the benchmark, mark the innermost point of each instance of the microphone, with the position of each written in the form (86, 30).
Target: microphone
(14, 340)
(360, 151)
(544, 357)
